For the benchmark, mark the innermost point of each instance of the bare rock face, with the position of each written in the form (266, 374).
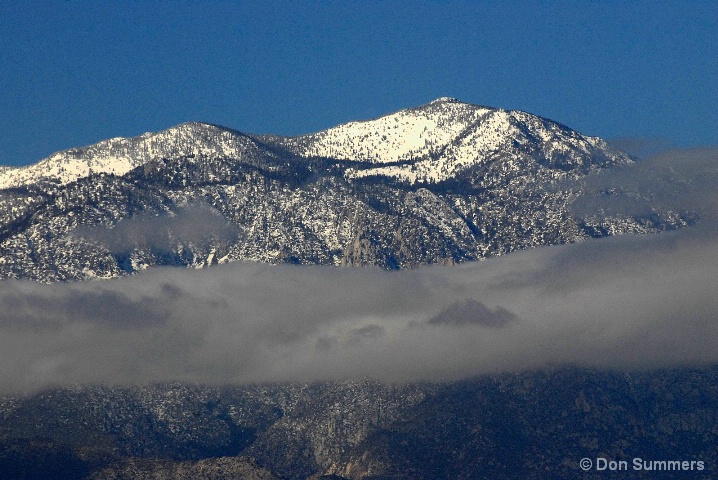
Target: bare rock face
(442, 183)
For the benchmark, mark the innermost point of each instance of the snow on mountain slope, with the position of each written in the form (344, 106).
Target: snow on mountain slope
(448, 182)
(401, 136)
(430, 143)
(120, 155)
(433, 142)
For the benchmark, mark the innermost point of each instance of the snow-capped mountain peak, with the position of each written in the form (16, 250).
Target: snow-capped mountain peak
(429, 143)
(439, 183)
(120, 155)
(432, 142)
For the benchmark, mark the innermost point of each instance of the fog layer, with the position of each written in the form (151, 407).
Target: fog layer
(623, 302)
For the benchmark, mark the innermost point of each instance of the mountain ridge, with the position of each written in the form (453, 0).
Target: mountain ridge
(441, 183)
(495, 426)
(11, 177)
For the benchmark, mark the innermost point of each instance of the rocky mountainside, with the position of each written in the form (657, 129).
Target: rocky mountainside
(520, 425)
(441, 183)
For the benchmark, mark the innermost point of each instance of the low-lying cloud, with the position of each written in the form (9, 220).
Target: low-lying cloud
(623, 302)
(196, 224)
(679, 181)
(641, 147)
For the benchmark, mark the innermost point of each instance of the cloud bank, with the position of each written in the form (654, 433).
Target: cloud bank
(623, 302)
(196, 224)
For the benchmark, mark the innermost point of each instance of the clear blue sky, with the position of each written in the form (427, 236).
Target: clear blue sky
(73, 72)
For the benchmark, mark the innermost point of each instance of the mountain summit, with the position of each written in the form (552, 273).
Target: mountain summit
(440, 140)
(440, 183)
(433, 142)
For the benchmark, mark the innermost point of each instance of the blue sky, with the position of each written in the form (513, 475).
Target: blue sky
(73, 73)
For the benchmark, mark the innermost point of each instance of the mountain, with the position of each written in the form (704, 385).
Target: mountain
(441, 183)
(429, 143)
(515, 425)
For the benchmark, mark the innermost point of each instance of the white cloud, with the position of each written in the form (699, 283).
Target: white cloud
(624, 302)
